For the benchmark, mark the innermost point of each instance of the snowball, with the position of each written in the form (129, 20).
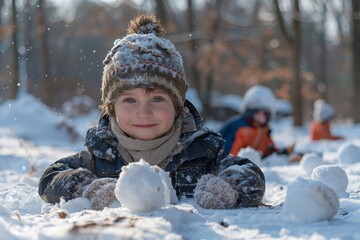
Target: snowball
(250, 154)
(333, 176)
(310, 161)
(143, 188)
(310, 200)
(348, 153)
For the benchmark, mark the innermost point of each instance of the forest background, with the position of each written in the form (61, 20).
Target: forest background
(302, 49)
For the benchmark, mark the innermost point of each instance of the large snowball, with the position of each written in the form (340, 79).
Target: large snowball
(333, 176)
(348, 153)
(250, 154)
(310, 161)
(310, 200)
(144, 188)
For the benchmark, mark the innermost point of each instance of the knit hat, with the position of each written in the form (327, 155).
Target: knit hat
(143, 58)
(323, 111)
(259, 97)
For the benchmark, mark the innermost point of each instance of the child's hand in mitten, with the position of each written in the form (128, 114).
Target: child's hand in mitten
(101, 193)
(212, 192)
(247, 183)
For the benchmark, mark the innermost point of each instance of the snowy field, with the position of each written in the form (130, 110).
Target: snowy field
(32, 137)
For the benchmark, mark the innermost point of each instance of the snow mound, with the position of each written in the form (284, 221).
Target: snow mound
(144, 188)
(310, 161)
(231, 101)
(348, 153)
(27, 117)
(309, 200)
(250, 154)
(333, 176)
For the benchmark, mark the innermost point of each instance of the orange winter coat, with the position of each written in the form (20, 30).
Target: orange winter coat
(321, 130)
(255, 137)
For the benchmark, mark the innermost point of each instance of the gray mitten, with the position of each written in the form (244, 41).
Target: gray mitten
(212, 192)
(101, 193)
(249, 185)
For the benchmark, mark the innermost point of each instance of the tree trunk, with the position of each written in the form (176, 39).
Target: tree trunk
(1, 28)
(356, 59)
(160, 11)
(322, 85)
(42, 34)
(194, 73)
(296, 89)
(15, 66)
(294, 43)
(215, 27)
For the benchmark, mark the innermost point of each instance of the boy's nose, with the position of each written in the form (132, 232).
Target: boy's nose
(144, 110)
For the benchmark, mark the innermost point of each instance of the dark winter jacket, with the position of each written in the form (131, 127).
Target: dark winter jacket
(201, 153)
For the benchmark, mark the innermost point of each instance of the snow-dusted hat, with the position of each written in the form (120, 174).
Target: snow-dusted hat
(259, 97)
(143, 58)
(323, 111)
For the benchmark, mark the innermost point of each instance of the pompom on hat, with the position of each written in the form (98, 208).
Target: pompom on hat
(143, 58)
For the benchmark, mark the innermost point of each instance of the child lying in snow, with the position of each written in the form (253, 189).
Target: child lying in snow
(320, 126)
(251, 127)
(145, 116)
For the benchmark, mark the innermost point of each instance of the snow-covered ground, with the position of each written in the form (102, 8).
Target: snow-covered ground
(32, 137)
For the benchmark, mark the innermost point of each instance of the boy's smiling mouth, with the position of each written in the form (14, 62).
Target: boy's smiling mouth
(144, 125)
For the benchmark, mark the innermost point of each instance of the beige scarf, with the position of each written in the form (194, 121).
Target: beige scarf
(155, 152)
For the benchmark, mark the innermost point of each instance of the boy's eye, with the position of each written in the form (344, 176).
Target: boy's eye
(129, 100)
(158, 99)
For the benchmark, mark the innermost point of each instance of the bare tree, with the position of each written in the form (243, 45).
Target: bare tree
(1, 7)
(294, 43)
(42, 35)
(356, 58)
(15, 52)
(323, 53)
(1, 26)
(193, 43)
(160, 11)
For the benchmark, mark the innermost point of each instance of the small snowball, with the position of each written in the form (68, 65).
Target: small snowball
(348, 153)
(333, 176)
(141, 187)
(310, 161)
(309, 200)
(250, 154)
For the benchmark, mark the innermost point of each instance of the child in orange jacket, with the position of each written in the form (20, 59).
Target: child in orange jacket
(256, 134)
(320, 127)
(251, 128)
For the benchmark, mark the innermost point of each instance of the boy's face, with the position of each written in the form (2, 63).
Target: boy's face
(144, 114)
